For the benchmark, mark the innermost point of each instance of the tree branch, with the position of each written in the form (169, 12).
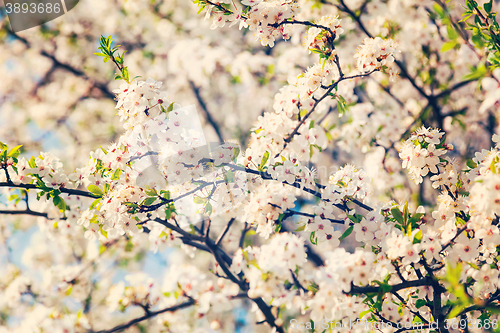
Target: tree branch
(63, 190)
(151, 314)
(426, 281)
(204, 107)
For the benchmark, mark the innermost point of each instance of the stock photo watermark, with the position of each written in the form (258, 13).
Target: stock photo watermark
(26, 14)
(453, 323)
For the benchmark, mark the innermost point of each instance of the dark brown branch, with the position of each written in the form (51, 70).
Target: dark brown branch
(450, 242)
(289, 138)
(101, 86)
(243, 233)
(149, 315)
(297, 283)
(264, 308)
(426, 281)
(207, 113)
(224, 232)
(289, 213)
(63, 190)
(27, 212)
(415, 313)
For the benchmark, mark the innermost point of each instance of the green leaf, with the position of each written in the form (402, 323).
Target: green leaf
(229, 177)
(396, 213)
(125, 74)
(62, 205)
(418, 237)
(265, 158)
(170, 107)
(493, 168)
(448, 46)
(476, 73)
(405, 212)
(95, 203)
(487, 6)
(301, 228)
(103, 232)
(166, 194)
(199, 200)
(346, 233)
(208, 209)
(471, 164)
(313, 239)
(15, 151)
(95, 190)
(151, 192)
(439, 10)
(201, 9)
(364, 313)
(415, 218)
(280, 217)
(341, 105)
(420, 303)
(148, 201)
(59, 203)
(452, 34)
(106, 188)
(32, 163)
(311, 124)
(116, 174)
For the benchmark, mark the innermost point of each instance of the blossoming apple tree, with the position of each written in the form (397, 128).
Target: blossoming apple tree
(369, 188)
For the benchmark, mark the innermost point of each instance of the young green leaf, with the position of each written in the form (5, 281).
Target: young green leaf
(95, 190)
(346, 233)
(265, 158)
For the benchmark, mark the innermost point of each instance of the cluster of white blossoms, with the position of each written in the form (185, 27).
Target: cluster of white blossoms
(485, 191)
(345, 269)
(268, 134)
(322, 226)
(15, 290)
(399, 245)
(449, 176)
(287, 101)
(168, 152)
(47, 167)
(372, 229)
(284, 251)
(492, 87)
(375, 54)
(49, 319)
(348, 181)
(139, 101)
(421, 153)
(357, 268)
(137, 289)
(310, 139)
(266, 204)
(316, 38)
(265, 17)
(266, 268)
(315, 77)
